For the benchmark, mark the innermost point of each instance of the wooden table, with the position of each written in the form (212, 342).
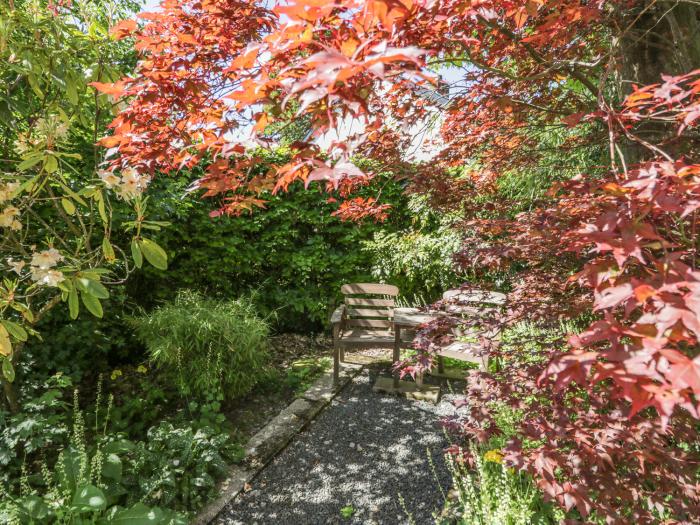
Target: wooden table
(408, 319)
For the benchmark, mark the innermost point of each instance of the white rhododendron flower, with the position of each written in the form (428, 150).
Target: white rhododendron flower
(46, 259)
(8, 218)
(16, 265)
(133, 184)
(110, 179)
(129, 185)
(52, 126)
(47, 277)
(7, 190)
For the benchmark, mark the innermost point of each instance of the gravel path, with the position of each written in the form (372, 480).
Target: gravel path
(364, 450)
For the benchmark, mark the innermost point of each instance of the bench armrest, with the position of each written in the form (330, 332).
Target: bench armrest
(338, 315)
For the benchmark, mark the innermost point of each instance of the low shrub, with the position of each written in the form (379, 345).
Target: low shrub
(206, 344)
(89, 481)
(493, 494)
(178, 466)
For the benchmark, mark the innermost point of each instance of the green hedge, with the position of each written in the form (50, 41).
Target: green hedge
(291, 257)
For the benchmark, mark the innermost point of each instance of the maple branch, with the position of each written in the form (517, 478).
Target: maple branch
(539, 58)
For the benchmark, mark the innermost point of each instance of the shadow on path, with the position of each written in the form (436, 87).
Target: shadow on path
(363, 451)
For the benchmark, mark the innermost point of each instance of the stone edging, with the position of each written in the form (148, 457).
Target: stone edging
(274, 437)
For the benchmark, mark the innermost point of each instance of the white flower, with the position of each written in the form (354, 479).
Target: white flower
(8, 218)
(16, 265)
(133, 183)
(46, 259)
(52, 126)
(47, 277)
(7, 190)
(110, 179)
(24, 143)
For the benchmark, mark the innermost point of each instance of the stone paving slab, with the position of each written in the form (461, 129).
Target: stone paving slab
(407, 389)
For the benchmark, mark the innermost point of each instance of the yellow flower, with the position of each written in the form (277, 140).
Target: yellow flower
(494, 456)
(115, 374)
(142, 369)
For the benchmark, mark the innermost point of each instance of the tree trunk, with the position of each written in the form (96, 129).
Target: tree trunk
(663, 39)
(10, 396)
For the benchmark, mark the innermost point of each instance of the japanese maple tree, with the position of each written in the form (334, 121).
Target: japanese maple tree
(616, 78)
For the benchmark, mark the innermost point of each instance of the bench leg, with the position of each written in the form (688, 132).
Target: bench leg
(441, 364)
(336, 354)
(336, 364)
(397, 354)
(342, 355)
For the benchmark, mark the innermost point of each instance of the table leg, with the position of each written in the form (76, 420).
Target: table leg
(397, 354)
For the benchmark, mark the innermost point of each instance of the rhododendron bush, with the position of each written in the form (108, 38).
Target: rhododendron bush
(56, 203)
(609, 413)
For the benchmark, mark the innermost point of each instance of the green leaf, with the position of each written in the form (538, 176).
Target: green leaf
(34, 509)
(68, 206)
(120, 446)
(92, 287)
(15, 330)
(73, 304)
(138, 514)
(92, 304)
(101, 207)
(73, 195)
(71, 91)
(112, 467)
(136, 253)
(29, 162)
(108, 249)
(8, 370)
(50, 164)
(154, 254)
(90, 498)
(5, 344)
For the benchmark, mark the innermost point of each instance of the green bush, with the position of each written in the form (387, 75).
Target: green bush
(418, 259)
(291, 257)
(206, 344)
(89, 481)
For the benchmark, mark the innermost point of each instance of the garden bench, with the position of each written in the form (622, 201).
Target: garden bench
(364, 320)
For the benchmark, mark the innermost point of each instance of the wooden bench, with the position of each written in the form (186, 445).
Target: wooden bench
(364, 320)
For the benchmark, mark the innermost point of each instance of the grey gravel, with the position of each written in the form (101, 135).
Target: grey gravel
(363, 451)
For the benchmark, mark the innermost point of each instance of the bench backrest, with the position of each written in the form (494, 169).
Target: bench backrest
(369, 305)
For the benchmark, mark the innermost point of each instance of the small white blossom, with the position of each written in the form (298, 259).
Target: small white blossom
(133, 184)
(8, 218)
(46, 259)
(7, 190)
(16, 265)
(47, 277)
(110, 179)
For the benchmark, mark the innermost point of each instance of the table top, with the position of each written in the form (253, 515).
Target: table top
(414, 316)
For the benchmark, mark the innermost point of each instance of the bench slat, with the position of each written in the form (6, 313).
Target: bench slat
(369, 323)
(355, 301)
(369, 312)
(369, 288)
